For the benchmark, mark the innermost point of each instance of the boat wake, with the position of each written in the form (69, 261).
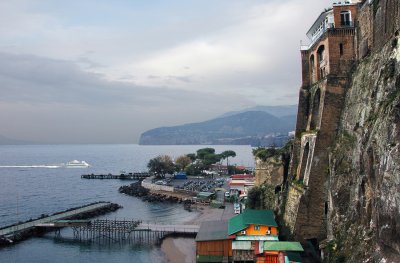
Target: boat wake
(71, 164)
(33, 166)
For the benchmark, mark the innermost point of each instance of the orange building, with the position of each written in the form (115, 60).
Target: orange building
(249, 237)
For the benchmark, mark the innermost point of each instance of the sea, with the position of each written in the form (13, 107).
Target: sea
(30, 186)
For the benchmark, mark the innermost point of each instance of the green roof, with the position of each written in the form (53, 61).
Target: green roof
(204, 195)
(201, 258)
(282, 246)
(250, 216)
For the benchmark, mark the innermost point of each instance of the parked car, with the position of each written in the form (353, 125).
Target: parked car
(236, 208)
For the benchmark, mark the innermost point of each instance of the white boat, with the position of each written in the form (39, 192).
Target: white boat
(77, 164)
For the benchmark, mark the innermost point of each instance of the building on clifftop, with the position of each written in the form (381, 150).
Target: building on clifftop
(326, 63)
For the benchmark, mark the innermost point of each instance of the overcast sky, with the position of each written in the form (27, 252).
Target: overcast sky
(100, 71)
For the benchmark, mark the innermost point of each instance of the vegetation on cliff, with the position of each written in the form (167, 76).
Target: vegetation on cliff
(261, 197)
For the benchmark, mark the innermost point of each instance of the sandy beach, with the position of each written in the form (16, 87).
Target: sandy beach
(183, 249)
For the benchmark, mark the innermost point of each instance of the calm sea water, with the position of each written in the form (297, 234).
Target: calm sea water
(29, 192)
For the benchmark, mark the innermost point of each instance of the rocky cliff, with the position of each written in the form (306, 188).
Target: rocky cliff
(364, 168)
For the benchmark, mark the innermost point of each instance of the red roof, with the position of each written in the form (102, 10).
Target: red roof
(241, 176)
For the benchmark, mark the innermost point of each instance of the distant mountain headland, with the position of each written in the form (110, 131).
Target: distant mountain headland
(10, 141)
(258, 126)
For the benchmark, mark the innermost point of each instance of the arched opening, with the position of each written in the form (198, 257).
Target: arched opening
(312, 68)
(304, 162)
(345, 18)
(315, 110)
(321, 59)
(321, 53)
(307, 103)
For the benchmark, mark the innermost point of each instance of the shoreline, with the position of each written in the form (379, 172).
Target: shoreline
(183, 249)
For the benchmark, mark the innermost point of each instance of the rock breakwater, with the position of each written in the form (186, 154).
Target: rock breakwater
(137, 190)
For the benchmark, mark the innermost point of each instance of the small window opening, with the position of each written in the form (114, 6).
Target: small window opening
(257, 228)
(322, 73)
(341, 49)
(326, 208)
(345, 18)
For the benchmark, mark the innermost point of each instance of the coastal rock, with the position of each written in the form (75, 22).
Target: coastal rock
(137, 190)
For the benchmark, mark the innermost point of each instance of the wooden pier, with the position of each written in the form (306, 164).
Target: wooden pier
(15, 232)
(130, 231)
(129, 176)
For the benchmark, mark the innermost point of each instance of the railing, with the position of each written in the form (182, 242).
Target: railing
(318, 36)
(347, 24)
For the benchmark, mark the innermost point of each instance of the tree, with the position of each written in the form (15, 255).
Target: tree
(201, 153)
(207, 157)
(161, 165)
(182, 162)
(192, 156)
(227, 154)
(254, 198)
(193, 169)
(261, 197)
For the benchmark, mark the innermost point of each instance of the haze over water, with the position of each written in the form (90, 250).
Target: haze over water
(29, 192)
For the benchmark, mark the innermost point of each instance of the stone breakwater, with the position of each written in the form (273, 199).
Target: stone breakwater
(34, 231)
(137, 190)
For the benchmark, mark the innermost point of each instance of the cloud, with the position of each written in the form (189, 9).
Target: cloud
(140, 65)
(57, 101)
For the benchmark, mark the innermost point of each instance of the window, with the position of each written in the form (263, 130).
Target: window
(257, 228)
(341, 49)
(345, 18)
(321, 53)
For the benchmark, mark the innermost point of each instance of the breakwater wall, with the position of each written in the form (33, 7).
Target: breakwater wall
(145, 194)
(155, 187)
(129, 176)
(22, 230)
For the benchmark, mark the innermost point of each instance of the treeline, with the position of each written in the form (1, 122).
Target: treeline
(192, 163)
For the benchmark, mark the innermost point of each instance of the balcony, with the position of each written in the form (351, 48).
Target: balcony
(347, 23)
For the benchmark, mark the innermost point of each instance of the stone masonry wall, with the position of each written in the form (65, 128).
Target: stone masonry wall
(269, 171)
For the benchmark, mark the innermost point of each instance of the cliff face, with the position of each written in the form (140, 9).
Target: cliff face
(269, 171)
(342, 196)
(363, 221)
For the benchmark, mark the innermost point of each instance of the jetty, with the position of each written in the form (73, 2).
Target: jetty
(21, 231)
(128, 230)
(128, 176)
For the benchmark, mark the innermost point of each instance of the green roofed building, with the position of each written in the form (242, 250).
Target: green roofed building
(248, 237)
(260, 220)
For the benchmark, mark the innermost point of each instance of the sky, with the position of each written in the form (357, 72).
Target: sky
(100, 71)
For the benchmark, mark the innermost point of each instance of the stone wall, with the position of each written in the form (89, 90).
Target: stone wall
(156, 187)
(385, 21)
(269, 171)
(294, 193)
